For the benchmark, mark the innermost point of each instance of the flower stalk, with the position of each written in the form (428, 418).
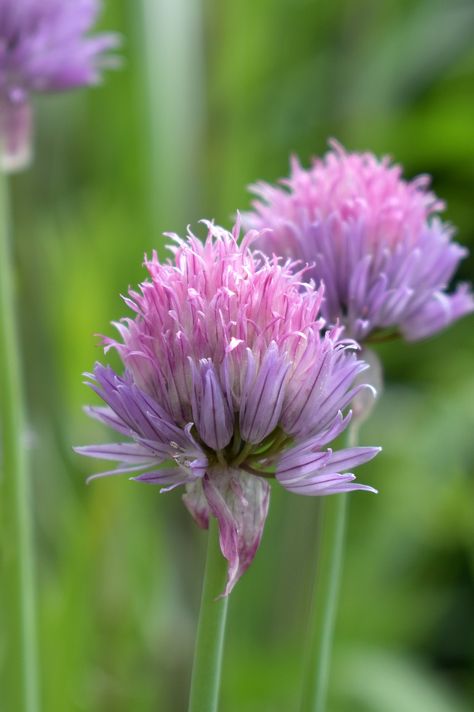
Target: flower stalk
(324, 604)
(325, 597)
(17, 515)
(206, 675)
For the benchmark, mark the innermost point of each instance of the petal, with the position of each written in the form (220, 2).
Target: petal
(262, 398)
(437, 313)
(122, 452)
(122, 395)
(117, 471)
(305, 470)
(348, 458)
(338, 395)
(172, 476)
(131, 456)
(240, 503)
(327, 484)
(337, 427)
(294, 466)
(211, 412)
(305, 399)
(107, 416)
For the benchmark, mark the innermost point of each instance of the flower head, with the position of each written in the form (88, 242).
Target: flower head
(373, 239)
(43, 49)
(229, 382)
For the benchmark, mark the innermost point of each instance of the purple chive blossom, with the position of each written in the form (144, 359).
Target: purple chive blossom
(373, 239)
(229, 381)
(43, 48)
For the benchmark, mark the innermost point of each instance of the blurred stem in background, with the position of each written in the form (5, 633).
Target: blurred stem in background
(325, 597)
(174, 57)
(17, 520)
(324, 604)
(206, 675)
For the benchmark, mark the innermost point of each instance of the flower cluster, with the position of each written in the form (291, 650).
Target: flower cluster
(230, 380)
(373, 239)
(43, 49)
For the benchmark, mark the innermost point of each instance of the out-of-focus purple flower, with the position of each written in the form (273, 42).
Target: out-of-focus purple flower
(229, 382)
(373, 239)
(43, 48)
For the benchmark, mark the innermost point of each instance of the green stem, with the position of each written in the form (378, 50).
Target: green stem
(17, 515)
(325, 599)
(173, 44)
(205, 681)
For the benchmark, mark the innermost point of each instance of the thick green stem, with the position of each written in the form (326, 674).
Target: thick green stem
(207, 663)
(17, 515)
(173, 43)
(325, 599)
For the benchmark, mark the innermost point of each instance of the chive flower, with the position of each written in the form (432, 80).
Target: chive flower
(230, 380)
(43, 48)
(374, 239)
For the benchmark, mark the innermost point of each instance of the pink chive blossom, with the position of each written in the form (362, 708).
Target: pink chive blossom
(43, 48)
(374, 240)
(230, 381)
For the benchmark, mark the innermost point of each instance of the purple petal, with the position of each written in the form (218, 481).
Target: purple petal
(304, 401)
(117, 471)
(348, 458)
(122, 452)
(296, 464)
(107, 416)
(134, 411)
(172, 476)
(262, 397)
(211, 411)
(304, 469)
(327, 484)
(437, 313)
(337, 427)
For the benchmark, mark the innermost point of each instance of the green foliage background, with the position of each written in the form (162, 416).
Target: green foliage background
(119, 565)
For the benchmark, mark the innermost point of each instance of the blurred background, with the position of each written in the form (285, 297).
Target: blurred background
(211, 97)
